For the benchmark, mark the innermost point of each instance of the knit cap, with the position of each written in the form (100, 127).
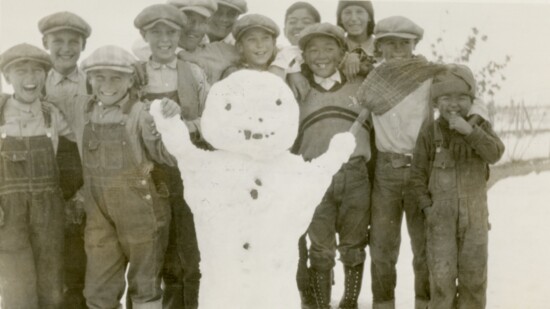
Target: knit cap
(205, 8)
(64, 21)
(24, 52)
(366, 4)
(254, 21)
(109, 57)
(397, 26)
(321, 29)
(157, 13)
(239, 5)
(456, 78)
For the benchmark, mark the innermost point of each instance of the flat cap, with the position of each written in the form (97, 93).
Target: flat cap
(205, 8)
(254, 21)
(239, 5)
(160, 13)
(109, 57)
(456, 78)
(397, 26)
(64, 21)
(321, 29)
(24, 52)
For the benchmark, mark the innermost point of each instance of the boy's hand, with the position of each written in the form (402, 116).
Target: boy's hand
(169, 108)
(74, 210)
(460, 125)
(351, 65)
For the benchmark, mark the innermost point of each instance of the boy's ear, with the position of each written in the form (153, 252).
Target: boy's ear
(45, 42)
(143, 35)
(239, 47)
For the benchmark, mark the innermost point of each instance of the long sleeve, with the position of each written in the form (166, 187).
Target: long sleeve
(152, 141)
(421, 165)
(486, 143)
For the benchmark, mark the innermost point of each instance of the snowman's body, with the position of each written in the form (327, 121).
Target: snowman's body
(250, 207)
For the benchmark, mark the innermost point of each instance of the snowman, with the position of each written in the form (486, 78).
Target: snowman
(251, 198)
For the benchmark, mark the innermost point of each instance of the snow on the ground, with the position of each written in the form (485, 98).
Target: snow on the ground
(526, 147)
(519, 250)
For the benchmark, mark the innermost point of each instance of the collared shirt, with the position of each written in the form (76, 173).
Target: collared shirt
(397, 129)
(367, 47)
(328, 82)
(162, 77)
(65, 86)
(22, 120)
(143, 141)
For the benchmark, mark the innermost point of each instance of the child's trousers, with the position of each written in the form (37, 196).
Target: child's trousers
(457, 233)
(126, 222)
(31, 224)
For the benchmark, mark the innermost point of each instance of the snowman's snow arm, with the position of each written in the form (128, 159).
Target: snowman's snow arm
(340, 149)
(173, 131)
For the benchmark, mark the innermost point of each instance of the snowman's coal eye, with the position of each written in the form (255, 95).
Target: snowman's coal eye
(228, 107)
(278, 102)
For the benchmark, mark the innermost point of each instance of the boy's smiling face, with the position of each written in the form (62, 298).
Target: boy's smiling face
(322, 55)
(163, 40)
(295, 22)
(193, 33)
(355, 19)
(65, 47)
(110, 86)
(257, 46)
(454, 104)
(221, 23)
(27, 79)
(396, 48)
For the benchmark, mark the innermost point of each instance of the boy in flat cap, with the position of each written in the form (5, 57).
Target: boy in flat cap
(65, 35)
(452, 192)
(126, 217)
(222, 21)
(214, 57)
(256, 36)
(329, 109)
(398, 95)
(31, 208)
(185, 83)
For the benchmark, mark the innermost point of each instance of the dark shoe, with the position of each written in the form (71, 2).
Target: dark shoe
(353, 278)
(307, 300)
(321, 283)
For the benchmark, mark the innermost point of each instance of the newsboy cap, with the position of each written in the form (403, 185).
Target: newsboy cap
(64, 21)
(109, 57)
(160, 13)
(24, 52)
(203, 7)
(397, 26)
(321, 29)
(254, 21)
(456, 78)
(239, 5)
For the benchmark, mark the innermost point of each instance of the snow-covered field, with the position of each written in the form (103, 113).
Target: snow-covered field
(519, 250)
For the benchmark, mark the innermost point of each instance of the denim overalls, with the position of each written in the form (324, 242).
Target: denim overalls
(127, 220)
(31, 221)
(457, 230)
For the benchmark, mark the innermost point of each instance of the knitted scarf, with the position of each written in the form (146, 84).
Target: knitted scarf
(388, 84)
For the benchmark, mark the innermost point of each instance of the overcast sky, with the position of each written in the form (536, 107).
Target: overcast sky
(521, 30)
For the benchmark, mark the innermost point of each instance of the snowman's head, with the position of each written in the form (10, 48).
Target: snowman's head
(252, 113)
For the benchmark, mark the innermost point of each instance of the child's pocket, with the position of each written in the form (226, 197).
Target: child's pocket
(14, 165)
(443, 177)
(90, 156)
(43, 165)
(13, 227)
(113, 155)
